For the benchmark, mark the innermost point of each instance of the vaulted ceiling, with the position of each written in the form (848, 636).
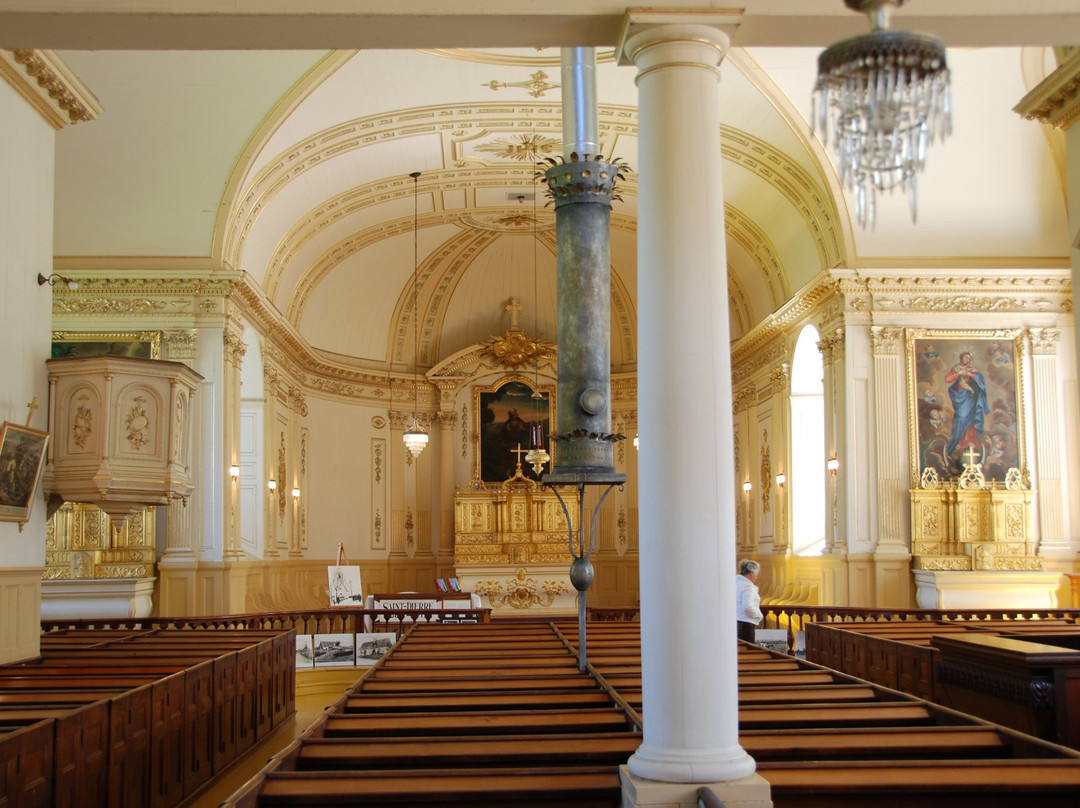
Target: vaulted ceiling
(293, 166)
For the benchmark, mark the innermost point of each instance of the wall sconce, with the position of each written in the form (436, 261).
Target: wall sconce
(53, 279)
(234, 472)
(747, 486)
(272, 485)
(296, 493)
(780, 480)
(832, 465)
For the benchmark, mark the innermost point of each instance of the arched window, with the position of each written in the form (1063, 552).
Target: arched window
(807, 478)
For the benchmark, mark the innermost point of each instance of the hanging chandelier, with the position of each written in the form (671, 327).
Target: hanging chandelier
(886, 95)
(415, 437)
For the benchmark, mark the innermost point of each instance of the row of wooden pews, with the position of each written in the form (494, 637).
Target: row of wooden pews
(137, 718)
(500, 714)
(1025, 674)
(822, 738)
(490, 714)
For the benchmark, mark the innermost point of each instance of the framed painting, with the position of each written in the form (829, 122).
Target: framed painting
(22, 459)
(507, 414)
(139, 344)
(965, 391)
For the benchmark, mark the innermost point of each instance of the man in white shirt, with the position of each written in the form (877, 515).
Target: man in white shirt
(747, 599)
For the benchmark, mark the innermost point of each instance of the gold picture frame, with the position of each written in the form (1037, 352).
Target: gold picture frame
(22, 460)
(140, 344)
(504, 413)
(966, 401)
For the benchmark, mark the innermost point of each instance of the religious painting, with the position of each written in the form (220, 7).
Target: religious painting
(22, 459)
(511, 417)
(138, 344)
(966, 403)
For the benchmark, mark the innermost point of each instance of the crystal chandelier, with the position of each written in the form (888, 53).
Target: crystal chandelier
(415, 437)
(887, 94)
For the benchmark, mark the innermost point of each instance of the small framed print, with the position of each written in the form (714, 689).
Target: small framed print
(22, 459)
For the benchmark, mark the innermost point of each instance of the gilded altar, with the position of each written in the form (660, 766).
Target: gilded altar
(511, 546)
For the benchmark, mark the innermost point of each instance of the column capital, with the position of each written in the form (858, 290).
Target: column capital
(643, 31)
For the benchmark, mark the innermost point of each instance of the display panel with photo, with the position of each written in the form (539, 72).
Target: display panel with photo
(334, 650)
(305, 651)
(370, 648)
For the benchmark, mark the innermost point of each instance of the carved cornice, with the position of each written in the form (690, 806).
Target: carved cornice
(1056, 99)
(744, 399)
(1037, 291)
(49, 86)
(782, 320)
(156, 296)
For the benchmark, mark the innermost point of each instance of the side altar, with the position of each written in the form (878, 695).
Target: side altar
(511, 547)
(973, 543)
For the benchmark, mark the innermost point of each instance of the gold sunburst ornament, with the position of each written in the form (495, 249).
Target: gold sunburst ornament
(515, 349)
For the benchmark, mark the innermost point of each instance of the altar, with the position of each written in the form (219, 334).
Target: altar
(511, 547)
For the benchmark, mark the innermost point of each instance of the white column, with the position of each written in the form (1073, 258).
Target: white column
(687, 485)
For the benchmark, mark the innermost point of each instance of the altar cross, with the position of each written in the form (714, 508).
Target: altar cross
(519, 452)
(969, 456)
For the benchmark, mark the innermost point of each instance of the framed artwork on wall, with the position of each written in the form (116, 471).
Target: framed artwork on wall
(22, 459)
(966, 403)
(506, 415)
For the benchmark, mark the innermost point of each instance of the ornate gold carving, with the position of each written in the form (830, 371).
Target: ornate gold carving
(82, 424)
(409, 538)
(378, 422)
(516, 349)
(281, 482)
(378, 529)
(1056, 99)
(377, 461)
(521, 591)
(62, 88)
(464, 430)
(235, 348)
(83, 542)
(180, 344)
(537, 84)
(138, 424)
(526, 148)
(832, 346)
(766, 471)
(886, 341)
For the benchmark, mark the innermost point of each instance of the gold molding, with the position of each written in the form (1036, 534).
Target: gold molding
(1055, 100)
(49, 86)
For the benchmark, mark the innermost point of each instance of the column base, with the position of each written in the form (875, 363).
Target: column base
(746, 792)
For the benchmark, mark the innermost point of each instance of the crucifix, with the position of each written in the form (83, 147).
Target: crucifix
(33, 405)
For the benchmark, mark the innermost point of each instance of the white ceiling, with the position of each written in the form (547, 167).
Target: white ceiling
(293, 166)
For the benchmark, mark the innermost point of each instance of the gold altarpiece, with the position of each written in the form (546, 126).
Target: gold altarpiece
(511, 538)
(511, 546)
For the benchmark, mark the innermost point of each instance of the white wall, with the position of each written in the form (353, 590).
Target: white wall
(26, 209)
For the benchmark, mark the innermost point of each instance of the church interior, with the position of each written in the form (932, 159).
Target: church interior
(253, 255)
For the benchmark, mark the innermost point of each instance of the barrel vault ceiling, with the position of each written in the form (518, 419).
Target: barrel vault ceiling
(293, 166)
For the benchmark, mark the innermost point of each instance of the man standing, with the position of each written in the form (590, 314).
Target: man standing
(747, 599)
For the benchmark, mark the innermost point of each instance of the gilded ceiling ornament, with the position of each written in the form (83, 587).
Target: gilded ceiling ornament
(526, 148)
(537, 84)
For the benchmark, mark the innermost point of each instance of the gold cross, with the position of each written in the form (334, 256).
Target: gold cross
(970, 456)
(31, 406)
(515, 308)
(519, 452)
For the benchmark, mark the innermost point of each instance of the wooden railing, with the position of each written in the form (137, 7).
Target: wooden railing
(792, 618)
(339, 620)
